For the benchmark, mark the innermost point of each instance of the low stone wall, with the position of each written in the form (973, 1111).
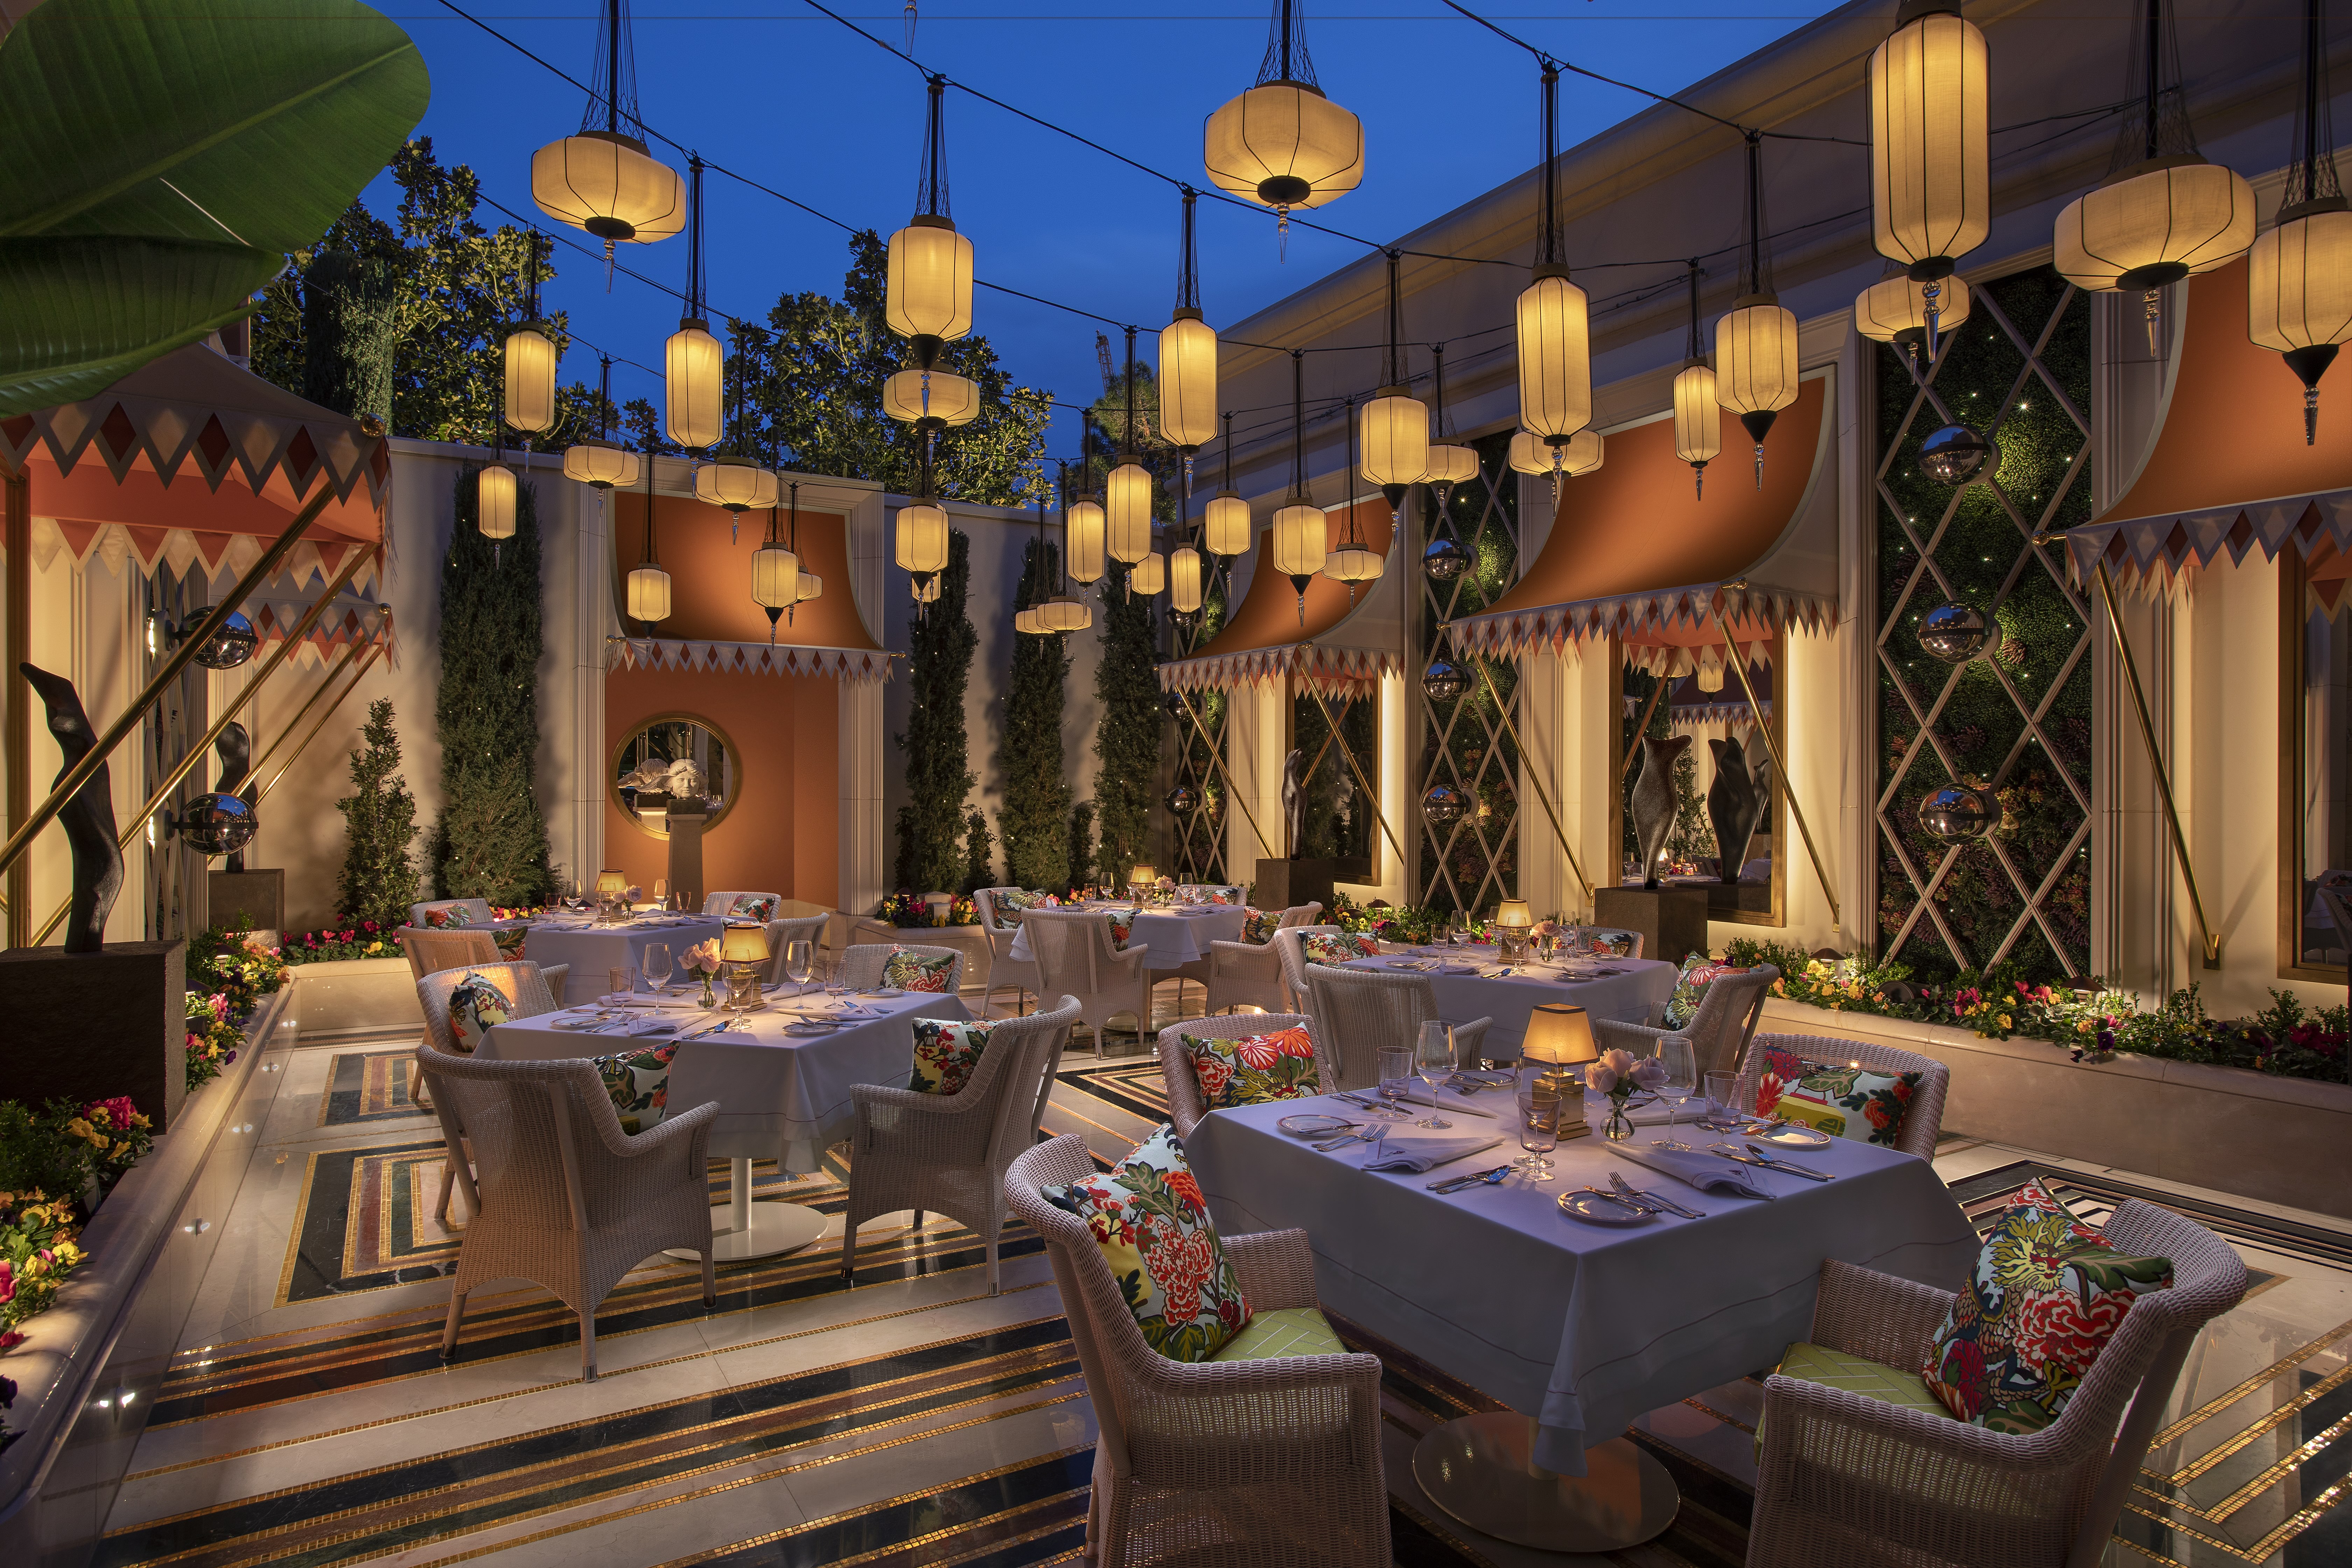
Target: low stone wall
(347, 996)
(2281, 1139)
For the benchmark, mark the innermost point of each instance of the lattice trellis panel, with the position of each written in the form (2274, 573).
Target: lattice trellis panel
(1197, 839)
(2018, 716)
(1471, 863)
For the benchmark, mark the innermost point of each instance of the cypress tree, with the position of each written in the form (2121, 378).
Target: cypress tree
(1127, 741)
(1035, 818)
(1082, 839)
(379, 879)
(978, 846)
(931, 857)
(491, 841)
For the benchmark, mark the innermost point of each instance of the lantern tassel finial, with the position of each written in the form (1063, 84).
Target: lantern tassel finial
(1931, 295)
(2309, 364)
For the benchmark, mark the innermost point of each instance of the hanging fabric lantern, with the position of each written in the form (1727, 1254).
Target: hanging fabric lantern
(1298, 532)
(1931, 150)
(734, 482)
(600, 463)
(1450, 465)
(1756, 344)
(2164, 213)
(1282, 143)
(1226, 527)
(1085, 531)
(1188, 359)
(603, 180)
(2299, 275)
(954, 401)
(1025, 622)
(1128, 491)
(494, 501)
(694, 365)
(1532, 454)
(776, 571)
(1895, 310)
(927, 280)
(1351, 561)
(1709, 676)
(647, 595)
(922, 537)
(1149, 576)
(1698, 416)
(530, 379)
(1395, 425)
(1184, 579)
(1446, 463)
(1064, 613)
(1555, 329)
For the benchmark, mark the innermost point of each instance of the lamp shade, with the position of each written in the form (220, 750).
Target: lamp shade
(1560, 1033)
(1284, 146)
(608, 185)
(1127, 511)
(732, 480)
(603, 463)
(1299, 536)
(1188, 381)
(530, 380)
(1710, 671)
(927, 284)
(2155, 224)
(953, 399)
(1225, 526)
(1449, 464)
(2299, 293)
(1185, 577)
(1930, 158)
(1698, 417)
(775, 577)
(1554, 355)
(1064, 613)
(1395, 429)
(695, 367)
(1149, 576)
(1026, 621)
(1579, 454)
(743, 945)
(811, 586)
(1895, 308)
(1141, 873)
(1756, 357)
(648, 594)
(1353, 562)
(1514, 914)
(1087, 529)
(494, 501)
(922, 537)
(611, 882)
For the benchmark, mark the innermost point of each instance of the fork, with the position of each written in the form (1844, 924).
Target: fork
(1475, 1178)
(1650, 1200)
(1361, 1135)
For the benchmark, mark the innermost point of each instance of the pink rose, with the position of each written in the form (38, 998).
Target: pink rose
(1649, 1072)
(1600, 1078)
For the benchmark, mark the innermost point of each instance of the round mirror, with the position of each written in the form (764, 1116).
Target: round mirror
(675, 762)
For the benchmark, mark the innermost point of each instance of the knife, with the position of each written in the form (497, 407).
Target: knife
(1454, 1183)
(1782, 1165)
(1625, 1189)
(1435, 1105)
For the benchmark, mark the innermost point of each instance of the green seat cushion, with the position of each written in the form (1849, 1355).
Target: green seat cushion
(1286, 1330)
(1835, 1369)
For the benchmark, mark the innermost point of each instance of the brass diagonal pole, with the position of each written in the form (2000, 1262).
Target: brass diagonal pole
(374, 647)
(1219, 759)
(1772, 747)
(350, 652)
(1403, 867)
(1643, 728)
(1513, 731)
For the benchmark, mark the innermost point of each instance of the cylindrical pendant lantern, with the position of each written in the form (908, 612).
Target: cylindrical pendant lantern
(1284, 146)
(494, 501)
(922, 537)
(2299, 293)
(1185, 577)
(1084, 546)
(811, 586)
(648, 594)
(1449, 464)
(775, 577)
(928, 285)
(530, 379)
(1931, 160)
(1352, 563)
(693, 386)
(953, 400)
(1554, 356)
(1580, 454)
(600, 464)
(1064, 613)
(1756, 365)
(1300, 534)
(1026, 621)
(2154, 226)
(1127, 511)
(1188, 381)
(1698, 419)
(1225, 528)
(1710, 671)
(1395, 429)
(1895, 310)
(732, 480)
(1149, 576)
(607, 183)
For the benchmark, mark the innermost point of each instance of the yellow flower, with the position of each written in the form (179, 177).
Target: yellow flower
(83, 1130)
(2004, 1021)
(1779, 988)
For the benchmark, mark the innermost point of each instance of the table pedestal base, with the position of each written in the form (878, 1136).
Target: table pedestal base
(1479, 1470)
(749, 1230)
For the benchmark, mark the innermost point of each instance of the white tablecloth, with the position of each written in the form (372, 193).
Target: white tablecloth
(779, 1098)
(1636, 996)
(1173, 940)
(1581, 1326)
(592, 950)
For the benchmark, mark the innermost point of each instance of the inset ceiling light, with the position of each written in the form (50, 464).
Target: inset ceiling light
(2163, 213)
(1931, 157)
(927, 285)
(647, 597)
(603, 180)
(1188, 359)
(776, 569)
(1184, 580)
(1698, 416)
(2299, 275)
(1555, 328)
(1226, 528)
(494, 501)
(1756, 344)
(601, 463)
(694, 373)
(1395, 425)
(1299, 535)
(1282, 143)
(1127, 490)
(1895, 310)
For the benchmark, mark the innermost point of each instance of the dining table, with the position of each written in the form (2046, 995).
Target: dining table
(1474, 983)
(595, 948)
(782, 1077)
(1576, 1326)
(1173, 936)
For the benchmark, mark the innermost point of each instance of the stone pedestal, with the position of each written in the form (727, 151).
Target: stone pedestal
(261, 894)
(89, 1025)
(1672, 919)
(1281, 884)
(686, 853)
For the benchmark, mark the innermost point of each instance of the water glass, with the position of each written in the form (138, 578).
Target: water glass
(1722, 1097)
(1432, 1058)
(1396, 1077)
(1538, 1131)
(800, 962)
(656, 963)
(616, 982)
(1682, 1072)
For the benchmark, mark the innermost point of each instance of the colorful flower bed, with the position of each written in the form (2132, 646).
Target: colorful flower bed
(230, 970)
(37, 1252)
(364, 940)
(907, 911)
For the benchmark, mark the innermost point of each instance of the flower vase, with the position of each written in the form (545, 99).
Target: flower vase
(1618, 1127)
(709, 997)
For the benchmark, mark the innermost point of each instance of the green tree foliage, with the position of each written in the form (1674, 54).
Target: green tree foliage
(1127, 741)
(1082, 838)
(491, 841)
(451, 289)
(1035, 818)
(350, 328)
(936, 756)
(379, 879)
(979, 852)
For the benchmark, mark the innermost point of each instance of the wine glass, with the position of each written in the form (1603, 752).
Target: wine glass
(656, 964)
(1682, 1073)
(1395, 1072)
(1432, 1058)
(1722, 1094)
(1539, 1130)
(799, 963)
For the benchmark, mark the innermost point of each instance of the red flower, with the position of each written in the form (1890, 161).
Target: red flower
(1767, 1094)
(1181, 1183)
(1179, 1265)
(1229, 1313)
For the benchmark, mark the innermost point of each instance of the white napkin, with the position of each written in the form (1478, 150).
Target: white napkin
(1657, 1113)
(1419, 1149)
(1706, 1171)
(1521, 972)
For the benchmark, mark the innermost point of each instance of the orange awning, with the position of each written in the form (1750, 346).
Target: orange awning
(2228, 470)
(1345, 642)
(1635, 553)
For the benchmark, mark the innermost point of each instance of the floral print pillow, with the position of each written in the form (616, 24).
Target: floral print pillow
(914, 972)
(1009, 903)
(2045, 1296)
(511, 939)
(475, 1007)
(1324, 947)
(1152, 1225)
(1855, 1102)
(1698, 972)
(1255, 1069)
(638, 1083)
(449, 915)
(1259, 925)
(1122, 925)
(752, 907)
(948, 1053)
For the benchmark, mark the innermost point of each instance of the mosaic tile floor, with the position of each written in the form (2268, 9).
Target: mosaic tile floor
(914, 1419)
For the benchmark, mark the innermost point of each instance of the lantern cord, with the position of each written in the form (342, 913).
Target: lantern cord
(933, 183)
(613, 86)
(1392, 370)
(1755, 279)
(1188, 259)
(2312, 177)
(1548, 243)
(695, 282)
(1285, 51)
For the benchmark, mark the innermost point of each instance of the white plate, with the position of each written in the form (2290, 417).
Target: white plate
(810, 1028)
(1790, 1135)
(885, 992)
(1594, 1209)
(1313, 1125)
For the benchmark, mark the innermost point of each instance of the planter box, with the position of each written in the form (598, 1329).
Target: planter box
(973, 941)
(346, 996)
(90, 1367)
(2274, 1139)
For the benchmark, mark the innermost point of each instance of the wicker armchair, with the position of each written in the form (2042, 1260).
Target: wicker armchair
(478, 910)
(1185, 1107)
(1922, 1123)
(1273, 1462)
(1719, 1031)
(1357, 1011)
(951, 1151)
(520, 981)
(560, 1196)
(1615, 933)
(1004, 969)
(719, 903)
(781, 934)
(862, 966)
(1249, 973)
(1844, 1478)
(1076, 959)
(1293, 958)
(430, 952)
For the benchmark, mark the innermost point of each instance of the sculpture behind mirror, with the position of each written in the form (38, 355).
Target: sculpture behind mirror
(676, 763)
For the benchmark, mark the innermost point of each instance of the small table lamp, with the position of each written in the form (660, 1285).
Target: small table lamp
(1513, 923)
(1143, 880)
(610, 887)
(1559, 1035)
(742, 950)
